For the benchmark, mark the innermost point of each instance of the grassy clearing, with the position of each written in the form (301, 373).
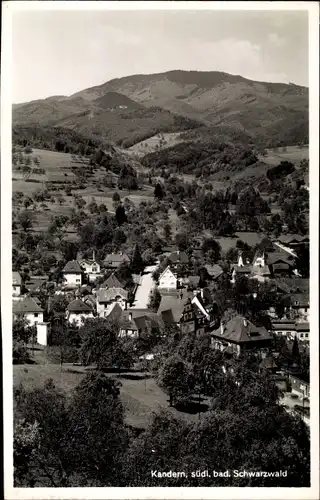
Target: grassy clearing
(150, 145)
(226, 243)
(140, 396)
(292, 153)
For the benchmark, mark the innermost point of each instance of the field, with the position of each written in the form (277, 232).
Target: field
(250, 238)
(159, 141)
(290, 153)
(140, 395)
(58, 168)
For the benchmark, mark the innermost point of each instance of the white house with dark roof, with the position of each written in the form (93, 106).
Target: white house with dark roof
(78, 311)
(16, 284)
(168, 280)
(72, 274)
(27, 308)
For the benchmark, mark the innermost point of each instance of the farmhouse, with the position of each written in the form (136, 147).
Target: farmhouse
(77, 312)
(28, 309)
(16, 284)
(134, 324)
(72, 274)
(197, 317)
(240, 335)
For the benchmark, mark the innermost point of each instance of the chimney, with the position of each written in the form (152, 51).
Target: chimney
(245, 322)
(93, 255)
(201, 293)
(221, 328)
(178, 252)
(130, 316)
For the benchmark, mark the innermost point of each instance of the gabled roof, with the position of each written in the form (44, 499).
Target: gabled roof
(107, 294)
(78, 306)
(115, 312)
(239, 330)
(178, 257)
(246, 269)
(165, 271)
(214, 270)
(116, 258)
(175, 303)
(300, 285)
(25, 305)
(72, 267)
(293, 238)
(113, 282)
(274, 257)
(16, 278)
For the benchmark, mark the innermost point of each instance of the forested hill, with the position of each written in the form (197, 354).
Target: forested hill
(128, 110)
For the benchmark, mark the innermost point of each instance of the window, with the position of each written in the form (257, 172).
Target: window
(35, 315)
(307, 335)
(94, 269)
(302, 335)
(305, 309)
(78, 280)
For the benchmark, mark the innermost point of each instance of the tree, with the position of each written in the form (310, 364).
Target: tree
(98, 343)
(212, 249)
(158, 191)
(25, 219)
(154, 300)
(167, 232)
(93, 207)
(177, 380)
(116, 200)
(121, 216)
(136, 264)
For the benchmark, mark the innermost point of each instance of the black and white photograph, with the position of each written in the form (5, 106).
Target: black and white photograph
(159, 210)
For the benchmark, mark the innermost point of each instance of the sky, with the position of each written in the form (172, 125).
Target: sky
(62, 52)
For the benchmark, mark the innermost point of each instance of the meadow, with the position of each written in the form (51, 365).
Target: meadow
(290, 153)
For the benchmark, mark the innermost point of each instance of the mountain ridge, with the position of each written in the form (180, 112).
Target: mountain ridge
(206, 98)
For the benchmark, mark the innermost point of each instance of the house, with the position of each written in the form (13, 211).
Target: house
(77, 312)
(240, 268)
(91, 268)
(280, 264)
(192, 282)
(114, 260)
(268, 364)
(239, 335)
(299, 387)
(214, 271)
(108, 296)
(134, 324)
(27, 308)
(260, 269)
(172, 305)
(36, 284)
(43, 333)
(179, 262)
(16, 284)
(196, 317)
(72, 274)
(300, 305)
(168, 280)
(291, 329)
(293, 241)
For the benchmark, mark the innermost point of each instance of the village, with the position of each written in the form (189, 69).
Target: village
(94, 289)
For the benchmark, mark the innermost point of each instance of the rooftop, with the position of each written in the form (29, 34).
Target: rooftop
(113, 282)
(116, 258)
(107, 294)
(72, 267)
(240, 330)
(78, 306)
(25, 305)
